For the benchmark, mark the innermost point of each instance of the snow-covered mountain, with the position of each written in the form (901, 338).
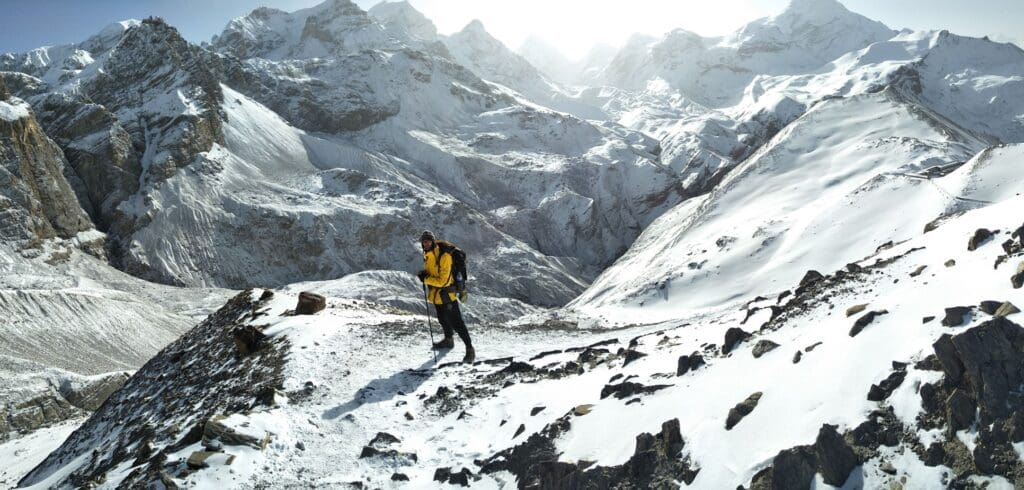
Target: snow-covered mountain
(789, 257)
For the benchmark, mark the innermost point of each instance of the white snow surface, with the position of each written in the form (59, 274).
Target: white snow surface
(14, 109)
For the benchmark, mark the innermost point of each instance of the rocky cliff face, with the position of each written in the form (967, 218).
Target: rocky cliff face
(36, 201)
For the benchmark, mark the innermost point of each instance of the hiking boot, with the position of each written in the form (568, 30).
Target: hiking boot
(445, 343)
(470, 355)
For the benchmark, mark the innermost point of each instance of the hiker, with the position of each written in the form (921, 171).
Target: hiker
(437, 275)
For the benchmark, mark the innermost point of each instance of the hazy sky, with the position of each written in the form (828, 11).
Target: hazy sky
(570, 25)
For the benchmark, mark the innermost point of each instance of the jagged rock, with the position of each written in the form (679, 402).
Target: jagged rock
(40, 411)
(248, 339)
(220, 427)
(1011, 247)
(990, 307)
(1006, 309)
(934, 455)
(733, 336)
(310, 303)
(519, 430)
(90, 395)
(918, 271)
(883, 390)
(632, 355)
(536, 410)
(955, 316)
(763, 347)
(927, 319)
(741, 410)
(383, 439)
(853, 310)
(980, 236)
(791, 469)
(628, 389)
(864, 321)
(811, 277)
(835, 458)
(984, 363)
(205, 459)
(689, 363)
(882, 428)
(267, 295)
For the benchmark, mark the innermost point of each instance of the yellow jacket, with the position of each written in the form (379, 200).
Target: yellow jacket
(439, 275)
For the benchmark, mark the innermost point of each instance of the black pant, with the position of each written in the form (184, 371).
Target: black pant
(450, 317)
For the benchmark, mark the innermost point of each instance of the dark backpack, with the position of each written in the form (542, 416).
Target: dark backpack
(458, 264)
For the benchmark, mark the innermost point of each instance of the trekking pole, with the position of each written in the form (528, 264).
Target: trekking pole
(426, 308)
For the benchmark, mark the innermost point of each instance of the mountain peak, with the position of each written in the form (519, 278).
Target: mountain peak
(403, 17)
(476, 27)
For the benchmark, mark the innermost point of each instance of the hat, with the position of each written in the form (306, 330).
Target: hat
(427, 235)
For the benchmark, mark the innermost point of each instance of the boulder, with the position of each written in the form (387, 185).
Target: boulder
(763, 347)
(835, 458)
(689, 363)
(864, 321)
(853, 310)
(884, 389)
(632, 355)
(741, 410)
(310, 303)
(229, 430)
(918, 271)
(248, 339)
(205, 459)
(990, 307)
(91, 394)
(955, 316)
(980, 236)
(733, 336)
(811, 277)
(628, 389)
(796, 357)
(1006, 309)
(950, 263)
(960, 411)
(791, 469)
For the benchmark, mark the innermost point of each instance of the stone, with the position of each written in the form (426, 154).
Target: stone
(811, 277)
(984, 362)
(864, 321)
(267, 295)
(981, 235)
(763, 347)
(519, 430)
(205, 459)
(918, 271)
(632, 355)
(733, 336)
(796, 357)
(884, 389)
(689, 363)
(248, 339)
(955, 316)
(580, 410)
(791, 469)
(853, 310)
(1006, 309)
(627, 389)
(383, 439)
(835, 458)
(92, 394)
(990, 307)
(535, 410)
(742, 409)
(310, 303)
(927, 319)
(950, 263)
(220, 427)
(399, 477)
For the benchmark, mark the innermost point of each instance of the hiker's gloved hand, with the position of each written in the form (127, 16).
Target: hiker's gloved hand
(422, 274)
(463, 295)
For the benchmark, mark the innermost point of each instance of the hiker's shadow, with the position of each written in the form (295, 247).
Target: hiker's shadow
(383, 389)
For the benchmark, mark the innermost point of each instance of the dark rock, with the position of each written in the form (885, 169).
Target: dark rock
(812, 346)
(741, 410)
(310, 303)
(934, 455)
(783, 295)
(792, 468)
(733, 336)
(853, 267)
(627, 389)
(301, 446)
(460, 478)
(383, 439)
(267, 295)
(955, 316)
(248, 339)
(390, 454)
(929, 363)
(927, 319)
(536, 410)
(515, 367)
(399, 477)
(689, 363)
(918, 271)
(797, 357)
(1017, 280)
(984, 364)
(442, 474)
(763, 347)
(883, 390)
(1011, 247)
(811, 277)
(980, 236)
(990, 307)
(519, 430)
(887, 468)
(950, 263)
(632, 355)
(835, 458)
(92, 394)
(882, 428)
(864, 321)
(216, 427)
